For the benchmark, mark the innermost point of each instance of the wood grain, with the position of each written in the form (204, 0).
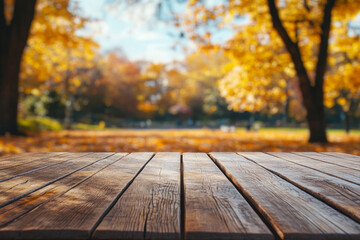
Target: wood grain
(24, 155)
(21, 186)
(74, 214)
(16, 209)
(348, 174)
(343, 155)
(39, 164)
(293, 213)
(23, 158)
(214, 209)
(336, 192)
(340, 161)
(150, 207)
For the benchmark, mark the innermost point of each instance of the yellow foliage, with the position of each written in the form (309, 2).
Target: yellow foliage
(54, 47)
(261, 70)
(146, 107)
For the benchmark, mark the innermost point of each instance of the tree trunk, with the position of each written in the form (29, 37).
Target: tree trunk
(68, 112)
(348, 115)
(69, 99)
(312, 94)
(347, 122)
(286, 105)
(13, 38)
(316, 121)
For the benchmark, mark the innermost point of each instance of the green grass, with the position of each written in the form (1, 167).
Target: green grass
(84, 126)
(39, 124)
(304, 130)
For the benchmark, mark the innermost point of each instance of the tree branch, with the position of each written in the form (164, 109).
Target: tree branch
(324, 42)
(292, 47)
(306, 6)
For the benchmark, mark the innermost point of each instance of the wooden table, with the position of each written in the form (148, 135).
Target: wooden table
(180, 196)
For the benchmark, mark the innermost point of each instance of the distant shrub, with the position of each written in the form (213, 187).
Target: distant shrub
(39, 124)
(84, 126)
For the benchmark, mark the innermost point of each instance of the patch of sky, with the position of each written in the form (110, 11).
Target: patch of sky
(143, 31)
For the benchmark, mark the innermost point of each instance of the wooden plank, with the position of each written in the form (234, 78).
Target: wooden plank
(350, 175)
(330, 159)
(336, 192)
(16, 209)
(21, 186)
(293, 213)
(74, 214)
(214, 209)
(39, 164)
(343, 155)
(23, 158)
(150, 207)
(19, 156)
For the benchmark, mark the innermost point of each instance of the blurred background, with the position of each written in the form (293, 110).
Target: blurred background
(179, 75)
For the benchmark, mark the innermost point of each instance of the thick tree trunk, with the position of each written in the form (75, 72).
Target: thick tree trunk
(13, 38)
(313, 98)
(312, 94)
(9, 96)
(316, 121)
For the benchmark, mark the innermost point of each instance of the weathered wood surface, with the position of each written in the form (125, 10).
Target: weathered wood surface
(336, 192)
(150, 207)
(12, 161)
(340, 161)
(37, 165)
(214, 209)
(74, 214)
(341, 172)
(180, 196)
(343, 155)
(16, 209)
(292, 213)
(23, 184)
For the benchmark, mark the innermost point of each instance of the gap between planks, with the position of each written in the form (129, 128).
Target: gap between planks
(321, 186)
(182, 199)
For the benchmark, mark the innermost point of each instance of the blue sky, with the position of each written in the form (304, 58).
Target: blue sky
(137, 32)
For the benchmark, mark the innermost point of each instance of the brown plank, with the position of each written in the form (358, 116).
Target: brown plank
(343, 155)
(22, 206)
(214, 209)
(150, 207)
(293, 213)
(74, 214)
(331, 159)
(350, 175)
(23, 158)
(21, 186)
(39, 164)
(336, 192)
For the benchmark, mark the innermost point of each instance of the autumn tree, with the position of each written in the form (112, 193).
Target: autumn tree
(15, 22)
(203, 69)
(52, 53)
(122, 79)
(342, 85)
(301, 27)
(56, 55)
(311, 89)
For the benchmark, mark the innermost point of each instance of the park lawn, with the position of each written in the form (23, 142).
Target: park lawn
(193, 140)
